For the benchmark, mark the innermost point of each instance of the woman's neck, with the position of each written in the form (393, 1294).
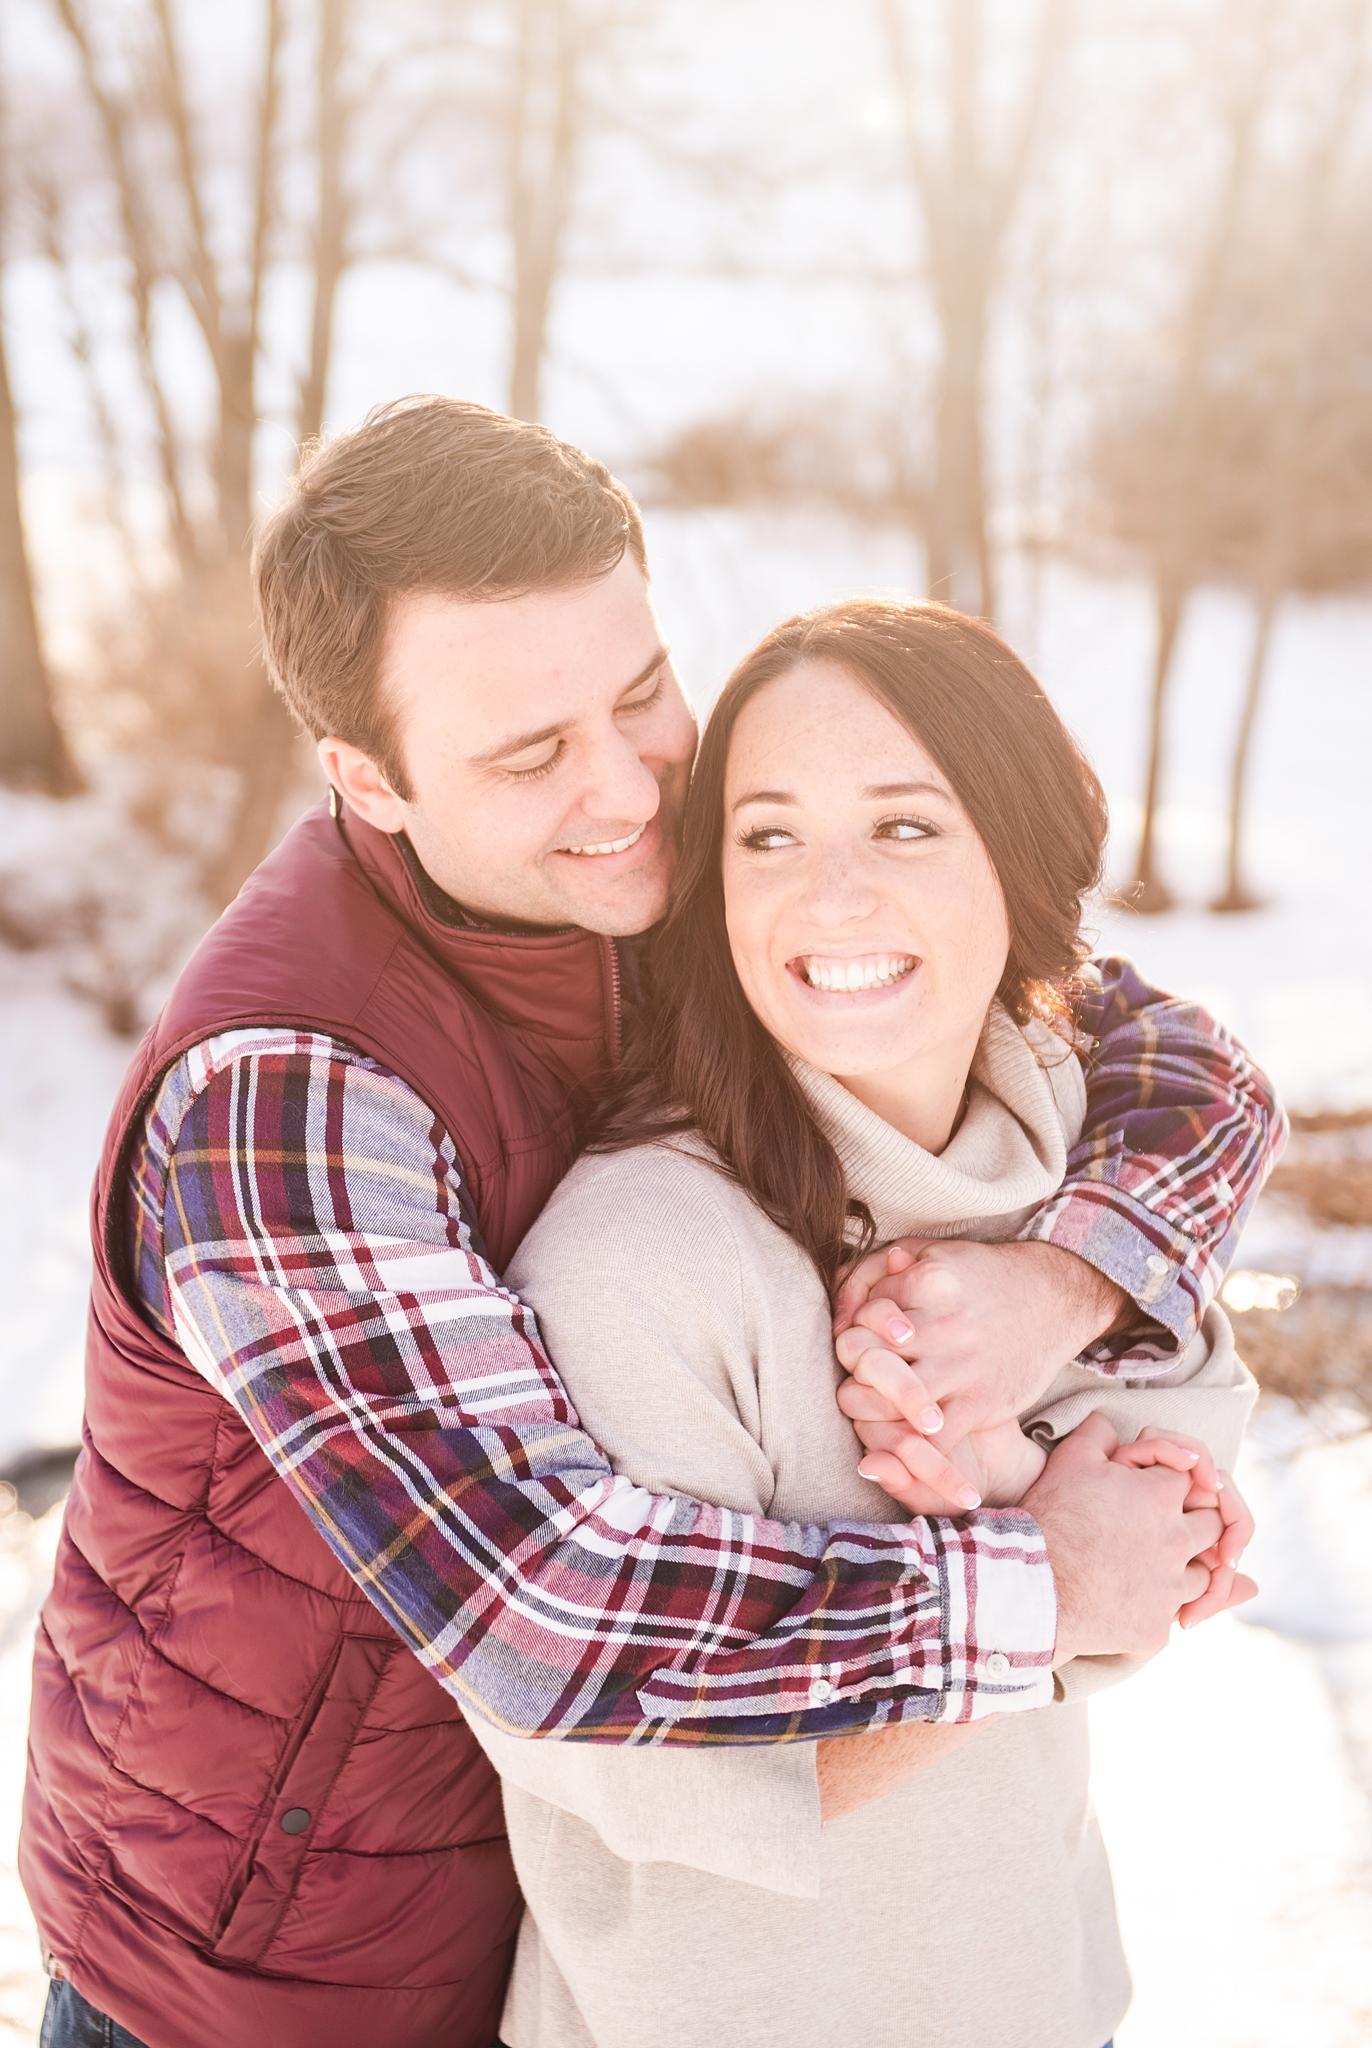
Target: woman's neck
(923, 1101)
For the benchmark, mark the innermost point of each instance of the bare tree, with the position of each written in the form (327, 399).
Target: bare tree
(333, 212)
(544, 130)
(33, 751)
(1233, 449)
(32, 747)
(968, 190)
(1188, 450)
(1303, 319)
(162, 177)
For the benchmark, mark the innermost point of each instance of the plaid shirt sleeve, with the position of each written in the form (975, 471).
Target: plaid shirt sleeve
(1181, 1131)
(300, 1224)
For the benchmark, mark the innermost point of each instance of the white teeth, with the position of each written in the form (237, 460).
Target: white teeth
(610, 845)
(845, 976)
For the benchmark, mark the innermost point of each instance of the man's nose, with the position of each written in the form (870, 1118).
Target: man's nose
(619, 786)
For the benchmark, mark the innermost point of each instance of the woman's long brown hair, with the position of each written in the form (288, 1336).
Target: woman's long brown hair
(705, 1063)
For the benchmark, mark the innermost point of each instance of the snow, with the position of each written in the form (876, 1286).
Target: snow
(1233, 1775)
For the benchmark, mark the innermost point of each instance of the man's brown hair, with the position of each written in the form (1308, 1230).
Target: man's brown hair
(428, 494)
(708, 1064)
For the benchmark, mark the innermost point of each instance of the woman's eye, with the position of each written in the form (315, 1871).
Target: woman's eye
(765, 838)
(905, 828)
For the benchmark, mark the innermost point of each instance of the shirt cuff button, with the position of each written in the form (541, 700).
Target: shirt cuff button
(1156, 1263)
(997, 1665)
(820, 1691)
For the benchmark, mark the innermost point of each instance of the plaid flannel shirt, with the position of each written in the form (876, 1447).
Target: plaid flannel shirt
(301, 1228)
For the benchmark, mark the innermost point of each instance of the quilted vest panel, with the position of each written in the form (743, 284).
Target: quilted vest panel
(204, 1665)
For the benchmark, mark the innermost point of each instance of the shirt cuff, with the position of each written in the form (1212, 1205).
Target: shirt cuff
(1160, 1266)
(1011, 1624)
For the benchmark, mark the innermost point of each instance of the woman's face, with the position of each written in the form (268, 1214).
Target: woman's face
(867, 925)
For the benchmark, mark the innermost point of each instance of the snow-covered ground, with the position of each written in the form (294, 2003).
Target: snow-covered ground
(1234, 1775)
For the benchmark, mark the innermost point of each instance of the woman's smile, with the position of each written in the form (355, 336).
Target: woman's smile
(867, 974)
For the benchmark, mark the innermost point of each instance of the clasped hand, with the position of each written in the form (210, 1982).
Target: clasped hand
(947, 1342)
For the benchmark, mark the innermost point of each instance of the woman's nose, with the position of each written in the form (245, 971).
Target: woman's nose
(836, 892)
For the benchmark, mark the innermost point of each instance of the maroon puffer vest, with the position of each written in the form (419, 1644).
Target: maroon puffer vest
(204, 1665)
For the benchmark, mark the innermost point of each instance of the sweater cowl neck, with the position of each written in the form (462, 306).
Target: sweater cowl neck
(1026, 1104)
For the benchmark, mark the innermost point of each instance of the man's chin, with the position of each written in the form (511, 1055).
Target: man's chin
(619, 907)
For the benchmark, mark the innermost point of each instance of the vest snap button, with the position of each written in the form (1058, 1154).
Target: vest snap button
(295, 1819)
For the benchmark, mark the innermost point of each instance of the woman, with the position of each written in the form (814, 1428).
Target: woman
(863, 1032)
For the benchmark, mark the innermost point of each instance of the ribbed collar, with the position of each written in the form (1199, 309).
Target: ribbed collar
(1025, 1107)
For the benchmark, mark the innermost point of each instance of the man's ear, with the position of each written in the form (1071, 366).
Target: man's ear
(356, 776)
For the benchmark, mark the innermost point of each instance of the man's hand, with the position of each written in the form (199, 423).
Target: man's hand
(1126, 1552)
(983, 1330)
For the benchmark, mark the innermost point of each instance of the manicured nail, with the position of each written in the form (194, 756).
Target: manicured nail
(931, 1421)
(1188, 1624)
(898, 1331)
(864, 1472)
(1219, 1486)
(968, 1498)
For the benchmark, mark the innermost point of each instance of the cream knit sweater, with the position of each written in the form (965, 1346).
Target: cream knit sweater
(683, 1897)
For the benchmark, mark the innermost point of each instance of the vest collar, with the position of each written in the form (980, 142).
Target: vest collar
(556, 985)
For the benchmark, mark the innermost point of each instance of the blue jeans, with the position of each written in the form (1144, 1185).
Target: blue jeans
(68, 2022)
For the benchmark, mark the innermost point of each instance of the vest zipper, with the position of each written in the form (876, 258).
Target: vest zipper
(616, 1005)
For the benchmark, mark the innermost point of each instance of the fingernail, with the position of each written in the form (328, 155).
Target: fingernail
(931, 1421)
(969, 1499)
(1219, 1486)
(1188, 1625)
(899, 1331)
(864, 1472)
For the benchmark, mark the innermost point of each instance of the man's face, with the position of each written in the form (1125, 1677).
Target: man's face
(548, 747)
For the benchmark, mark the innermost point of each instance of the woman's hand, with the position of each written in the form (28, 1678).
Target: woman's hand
(999, 1464)
(1210, 1488)
(988, 1326)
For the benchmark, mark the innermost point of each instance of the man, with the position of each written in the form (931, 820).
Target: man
(254, 1810)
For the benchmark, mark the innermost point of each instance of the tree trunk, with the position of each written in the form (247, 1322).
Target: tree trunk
(269, 759)
(1236, 896)
(33, 752)
(331, 228)
(544, 124)
(236, 425)
(1149, 893)
(960, 572)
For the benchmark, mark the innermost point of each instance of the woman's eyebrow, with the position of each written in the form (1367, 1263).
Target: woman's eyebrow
(763, 796)
(881, 790)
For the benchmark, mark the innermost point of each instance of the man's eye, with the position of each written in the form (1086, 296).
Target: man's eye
(654, 695)
(765, 837)
(541, 768)
(906, 828)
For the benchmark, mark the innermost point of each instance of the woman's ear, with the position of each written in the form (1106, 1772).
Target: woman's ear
(356, 776)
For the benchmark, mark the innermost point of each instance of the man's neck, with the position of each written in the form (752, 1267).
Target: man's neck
(446, 909)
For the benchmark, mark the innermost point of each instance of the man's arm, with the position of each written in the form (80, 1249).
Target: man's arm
(1181, 1131)
(324, 1273)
